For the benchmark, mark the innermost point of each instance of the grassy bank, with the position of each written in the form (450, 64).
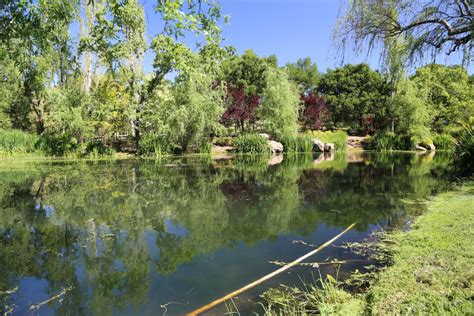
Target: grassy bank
(432, 271)
(433, 263)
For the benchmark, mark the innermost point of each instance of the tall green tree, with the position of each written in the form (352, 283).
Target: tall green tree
(36, 41)
(247, 71)
(449, 94)
(356, 96)
(280, 105)
(411, 113)
(305, 74)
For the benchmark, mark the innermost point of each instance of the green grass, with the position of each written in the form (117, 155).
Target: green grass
(432, 271)
(388, 141)
(433, 263)
(338, 138)
(297, 143)
(464, 152)
(17, 142)
(251, 144)
(324, 297)
(444, 141)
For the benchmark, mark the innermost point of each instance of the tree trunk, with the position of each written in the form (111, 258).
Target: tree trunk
(36, 105)
(136, 133)
(89, 10)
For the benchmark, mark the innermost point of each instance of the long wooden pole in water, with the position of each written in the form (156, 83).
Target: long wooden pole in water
(268, 276)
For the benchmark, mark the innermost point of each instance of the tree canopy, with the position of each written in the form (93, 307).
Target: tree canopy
(428, 26)
(355, 95)
(448, 93)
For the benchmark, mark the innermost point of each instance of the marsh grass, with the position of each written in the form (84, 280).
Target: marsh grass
(464, 152)
(444, 141)
(323, 296)
(251, 144)
(17, 142)
(297, 144)
(388, 141)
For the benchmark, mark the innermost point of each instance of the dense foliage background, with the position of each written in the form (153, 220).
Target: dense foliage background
(88, 93)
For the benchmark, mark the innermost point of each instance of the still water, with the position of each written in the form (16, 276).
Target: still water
(144, 237)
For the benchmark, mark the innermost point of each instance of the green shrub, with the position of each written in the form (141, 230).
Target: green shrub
(57, 144)
(223, 141)
(338, 138)
(204, 147)
(444, 141)
(154, 145)
(297, 144)
(97, 149)
(385, 141)
(464, 152)
(16, 141)
(251, 144)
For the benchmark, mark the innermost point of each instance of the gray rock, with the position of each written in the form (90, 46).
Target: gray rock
(275, 147)
(329, 147)
(318, 146)
(420, 148)
(264, 135)
(431, 147)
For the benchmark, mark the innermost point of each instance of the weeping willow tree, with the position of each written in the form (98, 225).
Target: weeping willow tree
(429, 27)
(406, 31)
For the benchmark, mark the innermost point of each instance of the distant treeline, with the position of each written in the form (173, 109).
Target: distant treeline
(87, 92)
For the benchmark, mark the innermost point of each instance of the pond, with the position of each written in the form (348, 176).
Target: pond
(145, 237)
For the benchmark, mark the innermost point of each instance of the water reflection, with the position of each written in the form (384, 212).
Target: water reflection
(129, 236)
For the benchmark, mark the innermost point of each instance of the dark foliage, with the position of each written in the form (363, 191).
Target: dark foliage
(464, 152)
(315, 112)
(241, 107)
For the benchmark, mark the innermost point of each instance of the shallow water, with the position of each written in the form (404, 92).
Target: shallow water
(144, 237)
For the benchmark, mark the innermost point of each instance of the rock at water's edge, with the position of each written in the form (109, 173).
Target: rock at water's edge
(275, 147)
(318, 145)
(329, 147)
(431, 147)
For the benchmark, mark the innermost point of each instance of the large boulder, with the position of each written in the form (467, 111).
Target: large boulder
(275, 147)
(318, 146)
(265, 136)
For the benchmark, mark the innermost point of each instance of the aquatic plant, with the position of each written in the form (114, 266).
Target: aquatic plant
(16, 141)
(251, 144)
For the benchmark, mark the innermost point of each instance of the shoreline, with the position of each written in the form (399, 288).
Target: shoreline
(423, 277)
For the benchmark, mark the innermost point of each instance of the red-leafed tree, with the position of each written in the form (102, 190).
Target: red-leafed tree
(315, 112)
(241, 107)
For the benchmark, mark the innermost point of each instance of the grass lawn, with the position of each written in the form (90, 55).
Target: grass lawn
(433, 271)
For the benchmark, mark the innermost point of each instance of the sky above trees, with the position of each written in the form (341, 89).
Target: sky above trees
(290, 29)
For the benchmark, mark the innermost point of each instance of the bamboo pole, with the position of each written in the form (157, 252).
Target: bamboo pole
(268, 276)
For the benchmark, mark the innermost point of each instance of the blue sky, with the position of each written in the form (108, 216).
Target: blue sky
(290, 29)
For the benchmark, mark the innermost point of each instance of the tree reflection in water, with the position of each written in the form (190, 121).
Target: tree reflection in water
(111, 230)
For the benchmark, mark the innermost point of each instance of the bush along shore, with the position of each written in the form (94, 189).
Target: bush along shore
(426, 270)
(20, 143)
